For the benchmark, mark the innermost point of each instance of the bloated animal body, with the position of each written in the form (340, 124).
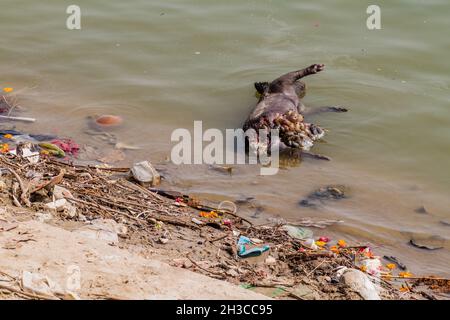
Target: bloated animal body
(279, 107)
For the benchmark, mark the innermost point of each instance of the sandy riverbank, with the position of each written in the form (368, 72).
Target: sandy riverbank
(122, 237)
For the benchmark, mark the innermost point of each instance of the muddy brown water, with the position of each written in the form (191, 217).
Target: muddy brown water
(163, 64)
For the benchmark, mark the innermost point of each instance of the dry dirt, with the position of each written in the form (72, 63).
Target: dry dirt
(106, 271)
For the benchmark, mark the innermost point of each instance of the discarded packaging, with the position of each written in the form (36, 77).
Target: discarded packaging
(145, 173)
(29, 152)
(246, 248)
(311, 244)
(359, 282)
(298, 232)
(372, 266)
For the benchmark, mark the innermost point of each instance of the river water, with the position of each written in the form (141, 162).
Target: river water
(163, 64)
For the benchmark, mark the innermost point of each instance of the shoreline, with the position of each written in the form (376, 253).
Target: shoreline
(179, 232)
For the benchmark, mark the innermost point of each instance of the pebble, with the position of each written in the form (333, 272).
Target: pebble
(61, 192)
(187, 264)
(43, 217)
(270, 260)
(163, 240)
(57, 205)
(232, 273)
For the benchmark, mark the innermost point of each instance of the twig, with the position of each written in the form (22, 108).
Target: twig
(312, 271)
(29, 295)
(23, 195)
(236, 216)
(209, 271)
(18, 118)
(219, 238)
(417, 278)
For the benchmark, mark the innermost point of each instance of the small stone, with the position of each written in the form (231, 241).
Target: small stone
(187, 264)
(61, 192)
(271, 260)
(163, 240)
(232, 273)
(70, 211)
(179, 262)
(304, 292)
(57, 205)
(122, 231)
(422, 210)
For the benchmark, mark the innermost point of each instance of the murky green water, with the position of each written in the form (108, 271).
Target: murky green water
(163, 64)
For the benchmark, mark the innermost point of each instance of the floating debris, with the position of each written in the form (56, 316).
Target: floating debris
(332, 192)
(108, 120)
(422, 210)
(124, 146)
(54, 150)
(433, 243)
(396, 261)
(67, 145)
(445, 223)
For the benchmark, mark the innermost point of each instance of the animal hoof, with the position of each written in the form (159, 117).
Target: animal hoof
(316, 68)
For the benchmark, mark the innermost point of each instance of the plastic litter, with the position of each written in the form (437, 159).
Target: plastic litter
(145, 173)
(358, 281)
(28, 151)
(311, 244)
(67, 145)
(52, 149)
(298, 232)
(246, 248)
(372, 266)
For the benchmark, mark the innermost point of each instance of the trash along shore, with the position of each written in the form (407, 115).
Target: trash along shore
(124, 238)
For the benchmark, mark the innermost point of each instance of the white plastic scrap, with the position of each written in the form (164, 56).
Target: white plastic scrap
(358, 281)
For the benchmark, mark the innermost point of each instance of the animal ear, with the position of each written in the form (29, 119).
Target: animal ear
(262, 87)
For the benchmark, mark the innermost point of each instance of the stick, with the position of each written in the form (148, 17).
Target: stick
(219, 238)
(18, 118)
(29, 295)
(22, 187)
(416, 278)
(312, 271)
(212, 272)
(236, 216)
